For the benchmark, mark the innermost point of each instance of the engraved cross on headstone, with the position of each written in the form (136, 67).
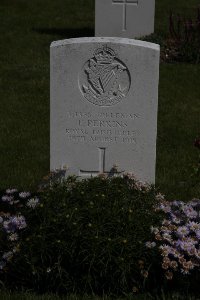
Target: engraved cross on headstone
(125, 3)
(102, 154)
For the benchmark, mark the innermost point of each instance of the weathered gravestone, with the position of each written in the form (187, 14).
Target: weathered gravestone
(124, 18)
(104, 94)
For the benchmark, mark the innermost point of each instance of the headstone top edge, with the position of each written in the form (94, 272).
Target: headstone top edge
(115, 40)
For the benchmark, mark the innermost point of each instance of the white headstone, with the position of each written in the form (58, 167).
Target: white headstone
(104, 94)
(124, 18)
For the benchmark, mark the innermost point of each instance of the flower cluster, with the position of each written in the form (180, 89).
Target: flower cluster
(19, 199)
(11, 225)
(132, 180)
(178, 237)
(183, 41)
(136, 184)
(12, 221)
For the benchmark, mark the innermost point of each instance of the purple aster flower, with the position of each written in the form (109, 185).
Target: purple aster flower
(194, 226)
(24, 195)
(197, 254)
(190, 212)
(195, 202)
(14, 224)
(198, 234)
(7, 255)
(19, 222)
(8, 227)
(150, 245)
(178, 243)
(182, 231)
(187, 245)
(11, 191)
(154, 230)
(160, 197)
(7, 198)
(33, 202)
(167, 237)
(166, 249)
(178, 203)
(165, 208)
(2, 264)
(185, 272)
(13, 237)
(175, 219)
(166, 222)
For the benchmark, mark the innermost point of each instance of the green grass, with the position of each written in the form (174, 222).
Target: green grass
(178, 125)
(181, 7)
(27, 296)
(26, 31)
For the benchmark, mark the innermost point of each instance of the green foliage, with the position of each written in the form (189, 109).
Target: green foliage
(184, 42)
(85, 236)
(146, 296)
(28, 28)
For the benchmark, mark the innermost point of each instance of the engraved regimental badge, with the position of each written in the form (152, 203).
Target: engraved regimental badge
(104, 79)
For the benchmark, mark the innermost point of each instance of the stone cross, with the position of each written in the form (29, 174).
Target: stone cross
(124, 18)
(125, 3)
(102, 154)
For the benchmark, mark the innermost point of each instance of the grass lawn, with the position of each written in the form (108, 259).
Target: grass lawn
(7, 296)
(26, 31)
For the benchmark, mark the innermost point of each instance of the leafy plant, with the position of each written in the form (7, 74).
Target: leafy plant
(85, 236)
(184, 41)
(177, 240)
(13, 222)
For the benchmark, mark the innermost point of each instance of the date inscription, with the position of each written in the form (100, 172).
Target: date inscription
(115, 127)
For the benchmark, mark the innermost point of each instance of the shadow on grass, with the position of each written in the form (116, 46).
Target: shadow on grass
(67, 32)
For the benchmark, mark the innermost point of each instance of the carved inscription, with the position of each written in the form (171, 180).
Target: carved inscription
(102, 169)
(104, 79)
(101, 127)
(125, 3)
